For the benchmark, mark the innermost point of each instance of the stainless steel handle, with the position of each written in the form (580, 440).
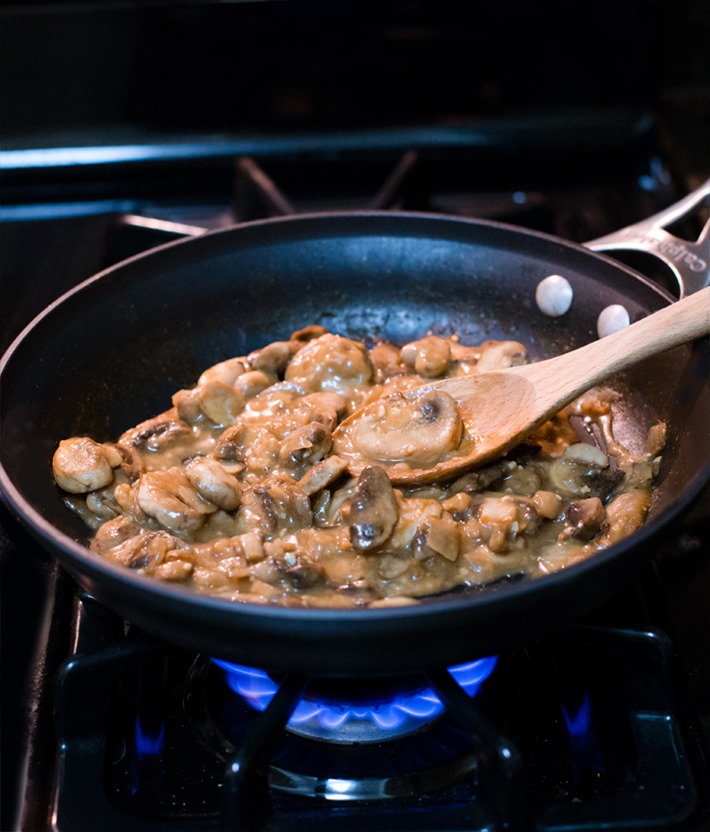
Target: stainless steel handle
(178, 229)
(689, 261)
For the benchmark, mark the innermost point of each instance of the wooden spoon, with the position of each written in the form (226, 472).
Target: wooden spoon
(447, 427)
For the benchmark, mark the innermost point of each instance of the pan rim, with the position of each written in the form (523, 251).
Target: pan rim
(306, 218)
(119, 576)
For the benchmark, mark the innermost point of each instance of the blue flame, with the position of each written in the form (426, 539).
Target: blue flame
(257, 688)
(149, 743)
(579, 722)
(586, 755)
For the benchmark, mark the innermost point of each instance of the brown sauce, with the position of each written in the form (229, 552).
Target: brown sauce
(235, 490)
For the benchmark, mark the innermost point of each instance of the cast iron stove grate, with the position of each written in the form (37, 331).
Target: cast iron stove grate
(576, 731)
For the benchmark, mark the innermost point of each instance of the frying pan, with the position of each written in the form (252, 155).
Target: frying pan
(111, 352)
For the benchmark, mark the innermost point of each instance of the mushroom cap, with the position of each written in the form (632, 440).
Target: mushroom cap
(372, 513)
(416, 427)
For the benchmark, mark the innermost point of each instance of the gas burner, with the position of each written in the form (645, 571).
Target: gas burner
(347, 711)
(382, 738)
(577, 731)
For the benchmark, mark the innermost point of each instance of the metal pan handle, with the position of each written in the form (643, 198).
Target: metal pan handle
(689, 261)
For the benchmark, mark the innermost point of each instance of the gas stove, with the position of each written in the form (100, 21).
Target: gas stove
(603, 724)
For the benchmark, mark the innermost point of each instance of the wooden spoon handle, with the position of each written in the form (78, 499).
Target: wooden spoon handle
(559, 380)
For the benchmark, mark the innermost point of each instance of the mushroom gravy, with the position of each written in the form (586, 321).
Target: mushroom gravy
(235, 490)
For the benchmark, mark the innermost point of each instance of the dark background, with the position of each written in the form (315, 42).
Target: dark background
(93, 73)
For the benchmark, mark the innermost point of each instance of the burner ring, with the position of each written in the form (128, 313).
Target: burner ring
(403, 786)
(362, 710)
(366, 761)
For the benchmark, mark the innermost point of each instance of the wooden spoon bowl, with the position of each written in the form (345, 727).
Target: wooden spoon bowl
(451, 426)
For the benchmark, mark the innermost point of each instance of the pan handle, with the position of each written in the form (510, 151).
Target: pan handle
(689, 261)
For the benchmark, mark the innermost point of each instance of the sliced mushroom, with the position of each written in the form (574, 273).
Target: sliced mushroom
(276, 506)
(131, 465)
(419, 428)
(219, 402)
(213, 483)
(308, 333)
(460, 506)
(142, 551)
(586, 454)
(253, 444)
(187, 404)
(391, 566)
(585, 518)
(464, 353)
(246, 487)
(326, 408)
(372, 513)
(429, 357)
(387, 360)
(323, 474)
(226, 371)
(505, 519)
(306, 445)
(583, 471)
(114, 533)
(252, 383)
(102, 502)
(173, 571)
(301, 571)
(272, 358)
(81, 465)
(157, 434)
(523, 479)
(625, 513)
(169, 497)
(231, 444)
(499, 355)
